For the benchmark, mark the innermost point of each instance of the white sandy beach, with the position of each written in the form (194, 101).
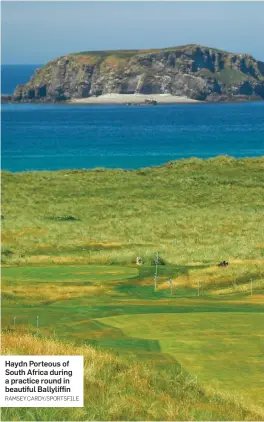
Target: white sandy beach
(133, 99)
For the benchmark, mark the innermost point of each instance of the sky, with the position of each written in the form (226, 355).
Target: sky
(36, 32)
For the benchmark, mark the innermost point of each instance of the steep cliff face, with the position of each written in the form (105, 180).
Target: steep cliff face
(193, 71)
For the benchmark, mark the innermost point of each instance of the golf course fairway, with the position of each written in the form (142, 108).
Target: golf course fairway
(218, 339)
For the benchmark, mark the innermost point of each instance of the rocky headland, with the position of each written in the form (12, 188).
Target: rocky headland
(190, 72)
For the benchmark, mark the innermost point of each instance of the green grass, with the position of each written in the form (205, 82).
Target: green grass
(214, 208)
(231, 76)
(122, 389)
(214, 337)
(127, 54)
(222, 351)
(70, 242)
(68, 273)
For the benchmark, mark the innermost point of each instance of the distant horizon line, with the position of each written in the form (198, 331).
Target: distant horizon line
(21, 64)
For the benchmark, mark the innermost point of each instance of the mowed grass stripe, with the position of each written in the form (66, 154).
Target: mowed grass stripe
(222, 351)
(68, 273)
(152, 326)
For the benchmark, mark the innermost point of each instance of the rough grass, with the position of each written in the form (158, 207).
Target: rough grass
(232, 279)
(213, 208)
(118, 389)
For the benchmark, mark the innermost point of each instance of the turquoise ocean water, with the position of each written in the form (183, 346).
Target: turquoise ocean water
(52, 137)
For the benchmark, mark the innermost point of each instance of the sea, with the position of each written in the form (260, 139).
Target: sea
(59, 136)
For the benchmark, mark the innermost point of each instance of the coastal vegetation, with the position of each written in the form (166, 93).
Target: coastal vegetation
(70, 242)
(191, 211)
(118, 388)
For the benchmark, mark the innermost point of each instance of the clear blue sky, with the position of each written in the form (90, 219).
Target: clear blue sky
(36, 32)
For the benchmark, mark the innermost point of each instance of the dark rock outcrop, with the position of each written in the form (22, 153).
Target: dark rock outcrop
(6, 98)
(193, 71)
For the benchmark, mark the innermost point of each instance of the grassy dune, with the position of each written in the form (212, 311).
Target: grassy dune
(213, 208)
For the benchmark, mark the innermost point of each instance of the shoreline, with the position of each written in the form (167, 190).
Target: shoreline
(193, 159)
(134, 99)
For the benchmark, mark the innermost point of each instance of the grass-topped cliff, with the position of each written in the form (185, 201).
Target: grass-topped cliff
(193, 71)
